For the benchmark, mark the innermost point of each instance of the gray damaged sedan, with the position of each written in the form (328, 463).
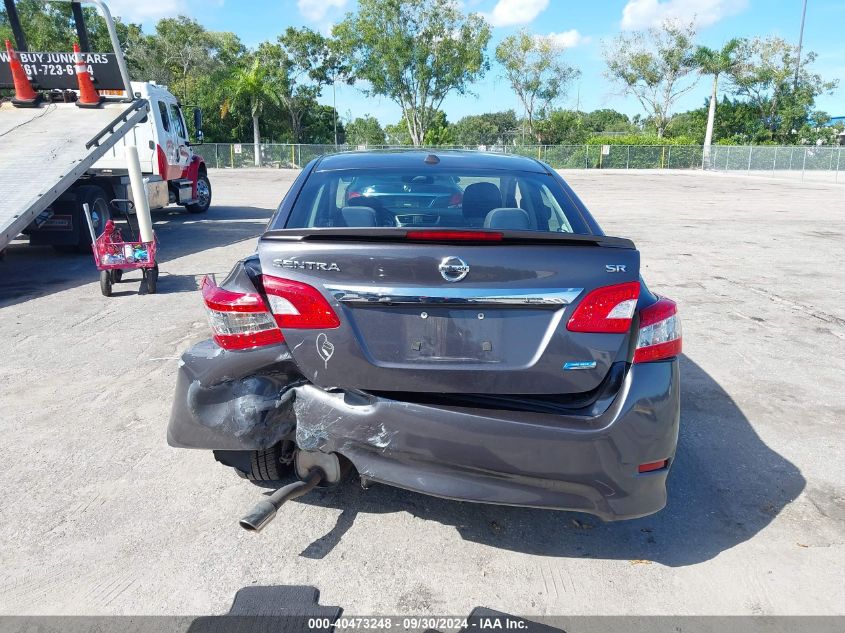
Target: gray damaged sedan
(455, 324)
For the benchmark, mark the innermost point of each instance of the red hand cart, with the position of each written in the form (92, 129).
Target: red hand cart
(113, 254)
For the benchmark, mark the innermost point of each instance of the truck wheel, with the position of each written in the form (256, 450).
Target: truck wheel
(105, 282)
(272, 464)
(96, 199)
(203, 196)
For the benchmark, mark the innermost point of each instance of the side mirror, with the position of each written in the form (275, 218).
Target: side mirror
(198, 124)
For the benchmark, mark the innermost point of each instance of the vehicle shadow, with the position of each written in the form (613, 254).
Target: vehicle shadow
(725, 487)
(28, 271)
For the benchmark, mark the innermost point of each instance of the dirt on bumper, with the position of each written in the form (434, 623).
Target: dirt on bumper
(250, 401)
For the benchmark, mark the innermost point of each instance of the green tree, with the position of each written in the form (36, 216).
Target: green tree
(735, 120)
(305, 62)
(439, 132)
(179, 54)
(475, 130)
(691, 124)
(255, 86)
(715, 63)
(568, 127)
(415, 53)
(50, 27)
(608, 120)
(365, 131)
(490, 128)
(563, 127)
(397, 134)
(652, 66)
(319, 124)
(534, 67)
(210, 90)
(765, 77)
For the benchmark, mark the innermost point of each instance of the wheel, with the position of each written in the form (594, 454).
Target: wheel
(272, 464)
(105, 283)
(151, 279)
(116, 275)
(96, 199)
(203, 196)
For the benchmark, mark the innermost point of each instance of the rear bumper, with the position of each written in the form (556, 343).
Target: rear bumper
(587, 464)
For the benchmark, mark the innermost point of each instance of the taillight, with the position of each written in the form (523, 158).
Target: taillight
(351, 195)
(238, 320)
(660, 332)
(455, 236)
(298, 306)
(606, 310)
(456, 200)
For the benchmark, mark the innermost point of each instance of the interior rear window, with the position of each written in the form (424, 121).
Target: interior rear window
(519, 201)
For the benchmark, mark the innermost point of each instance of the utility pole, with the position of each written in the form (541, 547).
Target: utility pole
(578, 105)
(334, 107)
(800, 46)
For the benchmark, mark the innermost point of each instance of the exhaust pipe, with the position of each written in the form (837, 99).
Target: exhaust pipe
(265, 510)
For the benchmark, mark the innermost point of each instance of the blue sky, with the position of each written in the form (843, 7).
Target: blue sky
(581, 26)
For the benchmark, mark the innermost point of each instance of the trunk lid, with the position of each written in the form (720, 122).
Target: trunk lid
(452, 317)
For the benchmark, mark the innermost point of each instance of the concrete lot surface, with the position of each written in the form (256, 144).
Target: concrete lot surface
(99, 516)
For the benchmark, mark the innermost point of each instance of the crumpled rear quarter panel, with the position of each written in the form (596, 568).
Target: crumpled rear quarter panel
(233, 400)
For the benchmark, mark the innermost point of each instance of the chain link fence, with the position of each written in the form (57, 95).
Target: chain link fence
(797, 162)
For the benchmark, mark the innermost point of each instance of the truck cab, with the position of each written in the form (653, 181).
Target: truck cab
(173, 172)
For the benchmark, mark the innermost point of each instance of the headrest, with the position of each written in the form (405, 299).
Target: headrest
(505, 218)
(480, 198)
(358, 216)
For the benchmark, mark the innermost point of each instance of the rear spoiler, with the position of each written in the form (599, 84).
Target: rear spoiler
(463, 236)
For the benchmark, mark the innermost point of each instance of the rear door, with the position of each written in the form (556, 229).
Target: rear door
(453, 317)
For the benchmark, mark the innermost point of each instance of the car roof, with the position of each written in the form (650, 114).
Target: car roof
(416, 158)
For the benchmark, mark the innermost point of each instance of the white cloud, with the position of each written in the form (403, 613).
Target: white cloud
(511, 12)
(316, 10)
(640, 14)
(569, 39)
(134, 11)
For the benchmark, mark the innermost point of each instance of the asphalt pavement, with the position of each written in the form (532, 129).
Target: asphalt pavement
(99, 516)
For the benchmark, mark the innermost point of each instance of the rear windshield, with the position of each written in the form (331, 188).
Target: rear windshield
(519, 201)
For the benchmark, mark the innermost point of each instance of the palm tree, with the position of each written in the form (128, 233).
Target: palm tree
(715, 62)
(255, 86)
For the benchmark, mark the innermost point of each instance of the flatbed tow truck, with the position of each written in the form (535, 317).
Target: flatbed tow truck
(56, 156)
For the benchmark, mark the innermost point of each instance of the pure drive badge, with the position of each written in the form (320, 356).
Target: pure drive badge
(298, 265)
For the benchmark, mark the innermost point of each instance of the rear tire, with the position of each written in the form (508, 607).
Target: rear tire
(203, 196)
(151, 279)
(105, 282)
(273, 464)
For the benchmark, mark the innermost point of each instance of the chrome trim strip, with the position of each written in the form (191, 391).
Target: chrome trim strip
(395, 295)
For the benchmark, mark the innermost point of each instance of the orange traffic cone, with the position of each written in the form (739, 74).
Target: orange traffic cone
(88, 95)
(25, 96)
